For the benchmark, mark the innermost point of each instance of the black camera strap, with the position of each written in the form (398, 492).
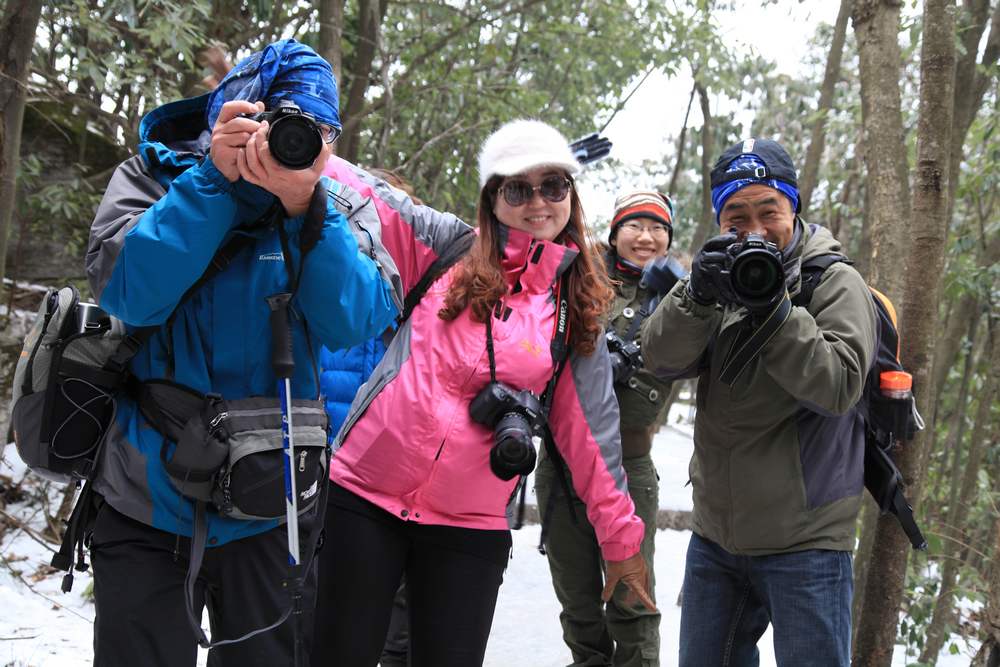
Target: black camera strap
(751, 341)
(560, 353)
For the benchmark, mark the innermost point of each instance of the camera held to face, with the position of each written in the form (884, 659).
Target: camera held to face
(756, 272)
(517, 418)
(626, 358)
(294, 137)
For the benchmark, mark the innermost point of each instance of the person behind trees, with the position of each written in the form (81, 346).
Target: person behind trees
(414, 489)
(343, 374)
(622, 634)
(777, 470)
(204, 175)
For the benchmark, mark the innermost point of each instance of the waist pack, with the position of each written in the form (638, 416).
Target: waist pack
(63, 399)
(228, 453)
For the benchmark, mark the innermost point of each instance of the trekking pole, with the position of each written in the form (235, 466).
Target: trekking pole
(284, 365)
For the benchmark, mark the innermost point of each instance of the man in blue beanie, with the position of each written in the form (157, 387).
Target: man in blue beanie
(777, 470)
(198, 239)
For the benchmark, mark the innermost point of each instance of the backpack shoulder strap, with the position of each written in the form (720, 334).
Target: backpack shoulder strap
(812, 270)
(440, 266)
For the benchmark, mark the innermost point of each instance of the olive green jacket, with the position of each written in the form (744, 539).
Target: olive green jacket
(779, 456)
(642, 397)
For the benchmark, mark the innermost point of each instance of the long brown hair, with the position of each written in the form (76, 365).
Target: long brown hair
(480, 283)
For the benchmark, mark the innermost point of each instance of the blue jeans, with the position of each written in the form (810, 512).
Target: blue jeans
(729, 600)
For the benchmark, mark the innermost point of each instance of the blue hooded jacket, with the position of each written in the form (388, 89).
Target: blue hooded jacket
(343, 373)
(163, 216)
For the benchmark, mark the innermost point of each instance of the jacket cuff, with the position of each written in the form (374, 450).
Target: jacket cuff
(621, 549)
(208, 169)
(688, 304)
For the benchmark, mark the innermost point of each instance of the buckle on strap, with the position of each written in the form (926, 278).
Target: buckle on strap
(760, 172)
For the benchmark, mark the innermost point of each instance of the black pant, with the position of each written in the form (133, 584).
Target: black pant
(452, 578)
(139, 597)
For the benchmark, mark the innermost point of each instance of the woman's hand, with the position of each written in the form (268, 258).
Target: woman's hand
(633, 573)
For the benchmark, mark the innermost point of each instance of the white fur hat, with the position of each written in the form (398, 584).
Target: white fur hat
(521, 145)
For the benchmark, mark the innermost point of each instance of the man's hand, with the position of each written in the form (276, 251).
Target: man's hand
(231, 134)
(632, 572)
(708, 285)
(294, 187)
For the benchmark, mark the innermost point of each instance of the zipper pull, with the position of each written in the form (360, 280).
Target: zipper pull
(302, 462)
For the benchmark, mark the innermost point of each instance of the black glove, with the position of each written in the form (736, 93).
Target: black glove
(709, 281)
(590, 148)
(661, 274)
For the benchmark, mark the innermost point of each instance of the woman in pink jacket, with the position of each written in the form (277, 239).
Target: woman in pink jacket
(435, 444)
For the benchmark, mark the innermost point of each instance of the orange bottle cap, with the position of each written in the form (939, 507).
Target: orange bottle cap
(895, 380)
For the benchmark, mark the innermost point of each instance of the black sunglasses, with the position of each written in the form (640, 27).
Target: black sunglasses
(518, 193)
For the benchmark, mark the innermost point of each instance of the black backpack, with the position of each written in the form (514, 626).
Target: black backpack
(888, 420)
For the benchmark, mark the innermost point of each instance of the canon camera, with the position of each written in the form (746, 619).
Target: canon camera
(756, 273)
(293, 136)
(517, 418)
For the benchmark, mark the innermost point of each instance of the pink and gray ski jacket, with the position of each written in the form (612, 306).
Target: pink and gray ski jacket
(409, 444)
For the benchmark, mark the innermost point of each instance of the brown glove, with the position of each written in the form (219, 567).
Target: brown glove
(633, 573)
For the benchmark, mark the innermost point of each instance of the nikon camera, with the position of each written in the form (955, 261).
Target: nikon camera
(517, 418)
(293, 136)
(756, 272)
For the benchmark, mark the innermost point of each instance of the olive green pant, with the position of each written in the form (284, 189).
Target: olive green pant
(618, 634)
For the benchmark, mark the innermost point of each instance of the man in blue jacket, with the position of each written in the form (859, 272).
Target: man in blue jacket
(205, 174)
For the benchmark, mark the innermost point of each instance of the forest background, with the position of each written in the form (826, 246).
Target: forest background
(891, 119)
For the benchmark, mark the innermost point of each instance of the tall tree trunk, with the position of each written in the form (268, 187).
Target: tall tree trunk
(370, 23)
(884, 590)
(17, 37)
(331, 26)
(989, 628)
(867, 520)
(704, 230)
(944, 606)
(876, 27)
(817, 138)
(681, 143)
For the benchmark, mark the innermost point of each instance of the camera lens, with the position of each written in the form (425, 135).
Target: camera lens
(295, 141)
(757, 276)
(513, 453)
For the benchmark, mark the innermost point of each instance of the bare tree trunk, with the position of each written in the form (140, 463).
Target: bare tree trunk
(884, 590)
(944, 606)
(681, 143)
(331, 26)
(956, 429)
(704, 229)
(876, 27)
(989, 628)
(370, 22)
(817, 138)
(867, 520)
(17, 37)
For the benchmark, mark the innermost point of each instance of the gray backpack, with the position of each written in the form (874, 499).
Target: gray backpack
(64, 392)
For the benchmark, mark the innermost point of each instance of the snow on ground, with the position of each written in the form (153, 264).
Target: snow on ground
(42, 627)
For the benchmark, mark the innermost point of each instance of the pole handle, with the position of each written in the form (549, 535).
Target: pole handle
(281, 335)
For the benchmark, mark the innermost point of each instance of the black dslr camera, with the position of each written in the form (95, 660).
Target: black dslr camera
(626, 358)
(294, 137)
(756, 272)
(517, 418)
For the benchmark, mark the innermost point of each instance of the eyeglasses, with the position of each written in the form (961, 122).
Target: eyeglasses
(328, 132)
(656, 230)
(519, 193)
